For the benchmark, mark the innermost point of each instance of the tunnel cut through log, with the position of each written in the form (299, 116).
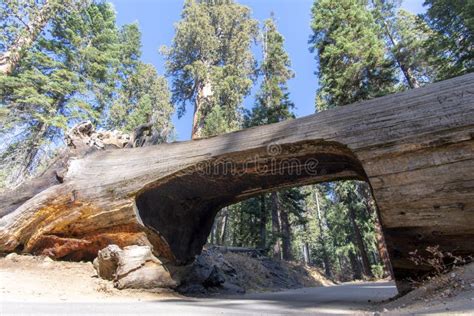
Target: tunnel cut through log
(182, 208)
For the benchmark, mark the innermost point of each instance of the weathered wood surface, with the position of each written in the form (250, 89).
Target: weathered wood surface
(134, 267)
(415, 148)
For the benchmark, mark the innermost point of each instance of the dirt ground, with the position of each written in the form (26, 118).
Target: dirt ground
(30, 278)
(452, 293)
(264, 274)
(39, 278)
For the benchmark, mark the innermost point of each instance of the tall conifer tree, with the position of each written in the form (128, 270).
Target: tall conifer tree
(143, 98)
(65, 75)
(453, 20)
(211, 64)
(350, 52)
(407, 38)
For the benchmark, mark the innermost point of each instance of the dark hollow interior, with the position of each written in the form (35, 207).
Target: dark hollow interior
(182, 207)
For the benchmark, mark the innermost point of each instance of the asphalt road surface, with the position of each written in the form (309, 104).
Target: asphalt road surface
(340, 299)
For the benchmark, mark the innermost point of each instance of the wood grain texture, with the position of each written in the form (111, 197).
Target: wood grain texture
(415, 149)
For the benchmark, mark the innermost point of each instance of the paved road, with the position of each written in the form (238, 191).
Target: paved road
(340, 299)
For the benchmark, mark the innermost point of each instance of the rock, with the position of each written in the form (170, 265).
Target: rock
(215, 278)
(133, 267)
(211, 273)
(13, 257)
(107, 261)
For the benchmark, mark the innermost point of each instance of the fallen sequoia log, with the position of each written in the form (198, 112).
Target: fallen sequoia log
(414, 148)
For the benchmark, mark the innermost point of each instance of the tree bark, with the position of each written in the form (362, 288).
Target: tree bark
(382, 249)
(322, 239)
(359, 242)
(263, 223)
(275, 225)
(223, 231)
(379, 239)
(285, 235)
(306, 255)
(355, 265)
(204, 92)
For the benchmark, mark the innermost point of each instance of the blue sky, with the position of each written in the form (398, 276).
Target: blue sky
(157, 17)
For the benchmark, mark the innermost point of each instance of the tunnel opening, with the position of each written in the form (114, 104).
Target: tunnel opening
(182, 207)
(331, 226)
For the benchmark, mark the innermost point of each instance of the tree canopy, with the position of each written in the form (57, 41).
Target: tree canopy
(210, 62)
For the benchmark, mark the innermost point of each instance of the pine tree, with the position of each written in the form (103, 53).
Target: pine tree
(273, 103)
(291, 214)
(407, 39)
(211, 64)
(453, 20)
(345, 193)
(350, 52)
(23, 22)
(65, 76)
(143, 97)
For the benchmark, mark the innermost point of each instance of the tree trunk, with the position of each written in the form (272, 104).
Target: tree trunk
(382, 249)
(276, 225)
(132, 267)
(197, 120)
(357, 272)
(285, 235)
(359, 242)
(240, 239)
(322, 239)
(407, 72)
(213, 234)
(306, 255)
(223, 232)
(263, 223)
(203, 94)
(10, 59)
(379, 238)
(28, 157)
